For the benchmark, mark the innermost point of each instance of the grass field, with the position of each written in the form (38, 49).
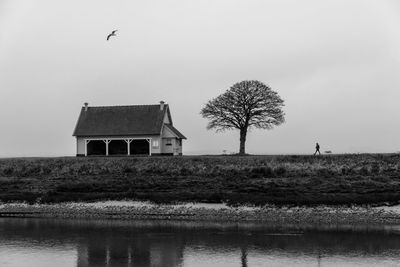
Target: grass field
(331, 179)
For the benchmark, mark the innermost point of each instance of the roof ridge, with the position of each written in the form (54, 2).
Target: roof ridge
(123, 106)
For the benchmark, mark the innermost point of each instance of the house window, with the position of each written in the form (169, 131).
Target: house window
(155, 143)
(179, 142)
(169, 142)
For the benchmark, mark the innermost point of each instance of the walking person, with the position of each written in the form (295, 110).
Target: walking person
(317, 149)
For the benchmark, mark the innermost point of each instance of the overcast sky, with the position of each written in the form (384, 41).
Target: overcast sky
(335, 63)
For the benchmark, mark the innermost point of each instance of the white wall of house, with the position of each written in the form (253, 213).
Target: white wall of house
(168, 145)
(170, 142)
(156, 145)
(80, 146)
(179, 146)
(167, 133)
(166, 118)
(172, 146)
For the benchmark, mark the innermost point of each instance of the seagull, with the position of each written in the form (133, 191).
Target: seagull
(111, 34)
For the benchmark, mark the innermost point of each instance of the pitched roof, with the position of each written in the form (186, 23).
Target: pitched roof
(175, 131)
(121, 120)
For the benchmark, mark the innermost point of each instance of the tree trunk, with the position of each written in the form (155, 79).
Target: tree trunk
(244, 256)
(243, 133)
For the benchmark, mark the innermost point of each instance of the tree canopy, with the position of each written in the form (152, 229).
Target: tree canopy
(246, 105)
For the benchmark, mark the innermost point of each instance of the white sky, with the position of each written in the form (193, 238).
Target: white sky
(335, 63)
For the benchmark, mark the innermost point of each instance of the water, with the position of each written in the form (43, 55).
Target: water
(57, 242)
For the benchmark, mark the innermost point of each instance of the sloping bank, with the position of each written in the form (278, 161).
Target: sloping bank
(255, 180)
(318, 215)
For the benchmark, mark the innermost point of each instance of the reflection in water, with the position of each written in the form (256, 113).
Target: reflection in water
(125, 249)
(167, 244)
(243, 250)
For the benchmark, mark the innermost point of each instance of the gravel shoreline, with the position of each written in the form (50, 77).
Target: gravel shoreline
(133, 210)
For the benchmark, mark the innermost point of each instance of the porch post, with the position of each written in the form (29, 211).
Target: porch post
(107, 142)
(149, 140)
(129, 147)
(86, 143)
(128, 143)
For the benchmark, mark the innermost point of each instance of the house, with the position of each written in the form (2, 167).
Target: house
(127, 130)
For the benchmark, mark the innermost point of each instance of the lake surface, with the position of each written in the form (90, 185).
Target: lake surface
(58, 242)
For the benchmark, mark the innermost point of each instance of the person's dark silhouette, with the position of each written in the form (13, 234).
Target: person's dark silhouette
(317, 149)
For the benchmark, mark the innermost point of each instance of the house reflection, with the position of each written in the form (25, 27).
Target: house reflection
(138, 251)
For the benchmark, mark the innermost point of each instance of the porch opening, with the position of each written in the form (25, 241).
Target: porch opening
(140, 147)
(96, 147)
(118, 147)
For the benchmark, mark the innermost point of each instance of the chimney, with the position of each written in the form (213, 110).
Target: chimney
(162, 105)
(86, 105)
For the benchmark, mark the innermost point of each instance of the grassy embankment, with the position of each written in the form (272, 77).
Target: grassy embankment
(333, 179)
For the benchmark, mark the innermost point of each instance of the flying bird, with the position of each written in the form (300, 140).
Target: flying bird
(111, 34)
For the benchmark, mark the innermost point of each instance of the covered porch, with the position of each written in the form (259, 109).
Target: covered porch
(117, 146)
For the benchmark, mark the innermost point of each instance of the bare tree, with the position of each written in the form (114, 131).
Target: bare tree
(245, 105)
